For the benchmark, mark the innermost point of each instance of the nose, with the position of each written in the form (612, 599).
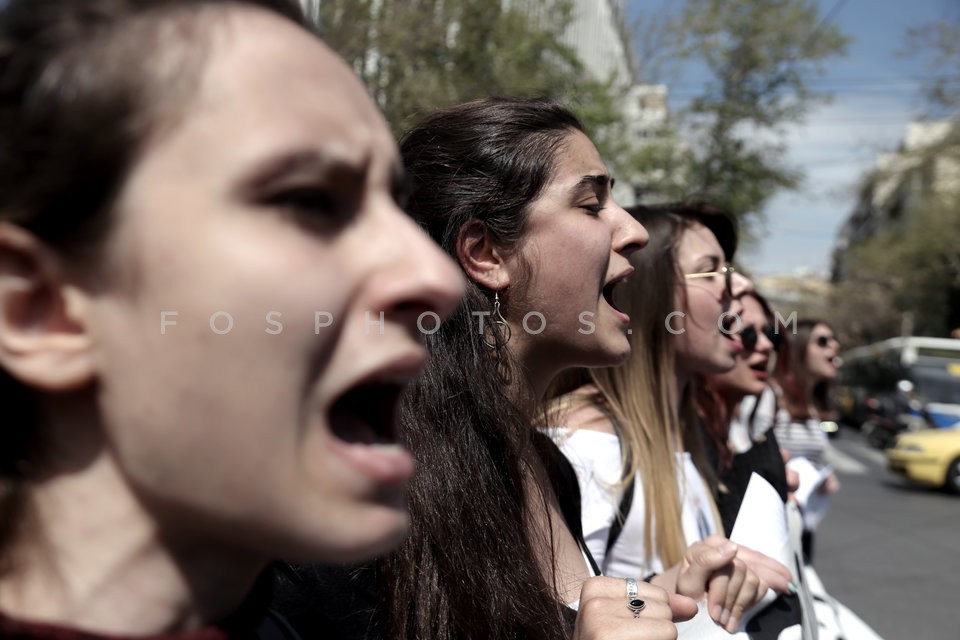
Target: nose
(764, 345)
(629, 235)
(418, 277)
(740, 284)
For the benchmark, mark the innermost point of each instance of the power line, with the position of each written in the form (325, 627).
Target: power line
(827, 18)
(911, 81)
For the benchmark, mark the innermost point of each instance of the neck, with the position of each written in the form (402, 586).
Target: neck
(535, 375)
(733, 399)
(90, 556)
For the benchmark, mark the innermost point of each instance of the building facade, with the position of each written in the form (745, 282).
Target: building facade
(902, 179)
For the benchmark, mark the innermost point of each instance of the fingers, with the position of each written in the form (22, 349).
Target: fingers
(832, 484)
(700, 562)
(773, 573)
(732, 591)
(604, 615)
(616, 588)
(733, 578)
(683, 608)
(722, 590)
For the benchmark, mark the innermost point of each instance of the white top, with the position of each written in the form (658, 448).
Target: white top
(738, 437)
(595, 456)
(763, 417)
(802, 438)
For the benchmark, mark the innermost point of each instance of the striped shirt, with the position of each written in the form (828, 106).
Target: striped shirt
(802, 438)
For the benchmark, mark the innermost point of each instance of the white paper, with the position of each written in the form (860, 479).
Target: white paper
(762, 526)
(762, 522)
(814, 503)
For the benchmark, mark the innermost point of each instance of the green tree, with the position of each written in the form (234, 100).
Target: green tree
(911, 270)
(420, 55)
(759, 56)
(941, 41)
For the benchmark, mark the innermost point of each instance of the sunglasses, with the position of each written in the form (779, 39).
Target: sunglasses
(726, 271)
(824, 341)
(749, 337)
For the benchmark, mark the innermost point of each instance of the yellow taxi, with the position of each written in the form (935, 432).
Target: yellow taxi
(931, 457)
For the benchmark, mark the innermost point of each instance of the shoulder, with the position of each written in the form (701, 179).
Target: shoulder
(579, 409)
(590, 418)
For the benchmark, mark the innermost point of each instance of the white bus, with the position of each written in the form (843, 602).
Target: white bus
(930, 365)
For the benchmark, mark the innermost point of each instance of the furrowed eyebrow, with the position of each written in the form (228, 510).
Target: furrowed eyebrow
(594, 181)
(307, 162)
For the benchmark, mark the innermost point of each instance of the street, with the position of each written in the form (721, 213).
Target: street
(890, 552)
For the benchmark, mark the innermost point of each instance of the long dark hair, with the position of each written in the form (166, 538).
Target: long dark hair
(470, 568)
(793, 376)
(83, 84)
(715, 409)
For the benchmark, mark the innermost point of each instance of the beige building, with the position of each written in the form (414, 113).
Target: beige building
(599, 33)
(926, 163)
(803, 293)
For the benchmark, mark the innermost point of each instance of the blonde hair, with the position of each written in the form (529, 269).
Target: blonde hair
(640, 396)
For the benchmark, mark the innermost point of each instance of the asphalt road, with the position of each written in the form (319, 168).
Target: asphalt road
(889, 551)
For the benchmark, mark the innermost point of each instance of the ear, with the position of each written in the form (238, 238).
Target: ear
(43, 340)
(480, 258)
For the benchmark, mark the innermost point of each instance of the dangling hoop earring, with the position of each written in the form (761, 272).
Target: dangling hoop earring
(502, 333)
(498, 318)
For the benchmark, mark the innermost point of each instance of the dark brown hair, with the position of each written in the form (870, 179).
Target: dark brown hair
(715, 409)
(469, 568)
(793, 376)
(83, 86)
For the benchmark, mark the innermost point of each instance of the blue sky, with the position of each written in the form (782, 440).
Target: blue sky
(876, 93)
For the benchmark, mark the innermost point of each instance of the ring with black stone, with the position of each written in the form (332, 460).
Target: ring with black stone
(636, 605)
(631, 588)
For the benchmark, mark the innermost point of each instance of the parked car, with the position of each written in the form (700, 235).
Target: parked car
(930, 457)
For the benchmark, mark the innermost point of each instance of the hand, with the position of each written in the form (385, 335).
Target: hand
(793, 480)
(604, 615)
(773, 573)
(830, 485)
(732, 584)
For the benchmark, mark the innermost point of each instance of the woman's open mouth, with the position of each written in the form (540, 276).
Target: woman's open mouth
(760, 370)
(609, 295)
(367, 414)
(364, 424)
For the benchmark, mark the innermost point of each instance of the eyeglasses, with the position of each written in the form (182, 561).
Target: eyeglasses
(824, 341)
(749, 337)
(726, 271)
